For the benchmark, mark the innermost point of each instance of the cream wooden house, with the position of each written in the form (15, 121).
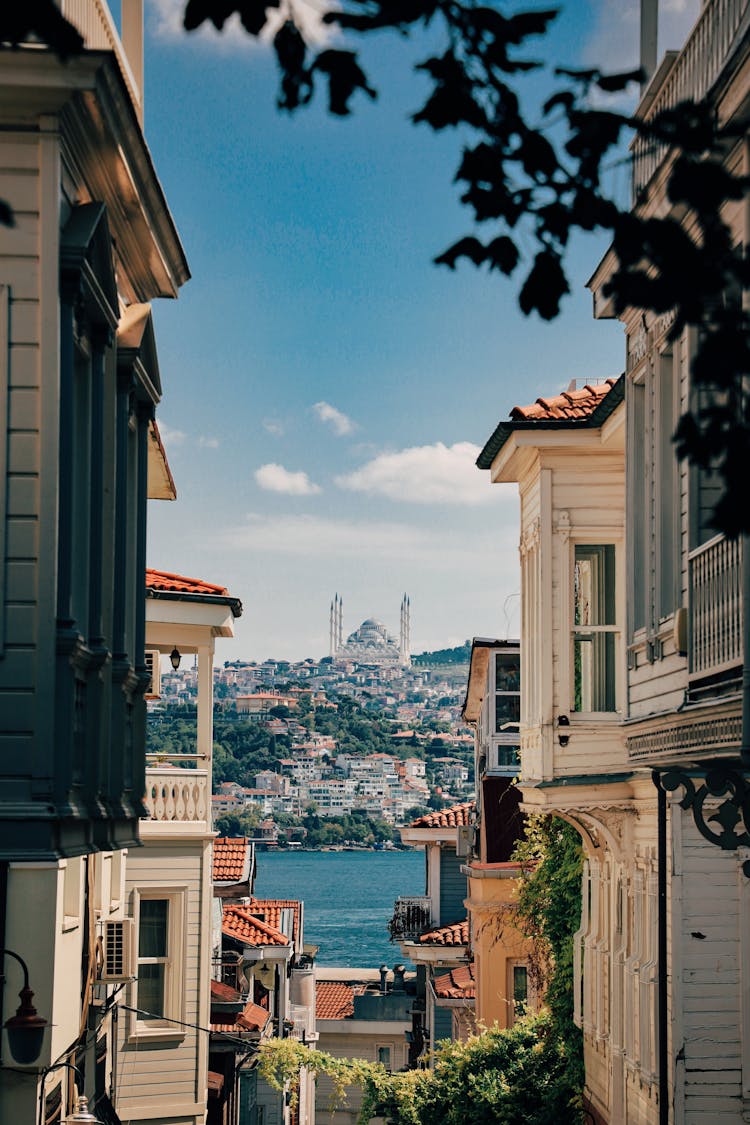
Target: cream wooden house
(632, 659)
(93, 244)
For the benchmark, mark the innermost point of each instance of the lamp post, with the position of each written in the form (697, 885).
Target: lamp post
(26, 1028)
(81, 1112)
(175, 657)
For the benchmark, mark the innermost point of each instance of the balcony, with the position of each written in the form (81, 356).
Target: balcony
(692, 75)
(411, 916)
(715, 578)
(95, 23)
(177, 796)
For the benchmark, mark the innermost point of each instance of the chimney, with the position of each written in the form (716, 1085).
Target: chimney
(649, 36)
(383, 979)
(398, 978)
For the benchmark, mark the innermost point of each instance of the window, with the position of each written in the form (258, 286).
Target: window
(159, 969)
(384, 1057)
(595, 632)
(520, 989)
(507, 692)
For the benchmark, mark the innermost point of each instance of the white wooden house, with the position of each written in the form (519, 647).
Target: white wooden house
(632, 660)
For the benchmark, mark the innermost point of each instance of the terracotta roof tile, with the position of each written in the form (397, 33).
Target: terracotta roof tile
(446, 818)
(455, 934)
(237, 922)
(334, 1000)
(269, 911)
(231, 859)
(458, 984)
(251, 1018)
(570, 404)
(176, 583)
(224, 993)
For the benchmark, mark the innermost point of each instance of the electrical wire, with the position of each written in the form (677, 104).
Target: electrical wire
(182, 1023)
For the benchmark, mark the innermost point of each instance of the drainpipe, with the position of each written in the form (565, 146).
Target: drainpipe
(661, 849)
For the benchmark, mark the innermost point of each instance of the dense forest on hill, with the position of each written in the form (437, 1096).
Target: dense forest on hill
(461, 654)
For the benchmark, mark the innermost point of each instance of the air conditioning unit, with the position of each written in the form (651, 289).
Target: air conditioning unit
(117, 941)
(153, 664)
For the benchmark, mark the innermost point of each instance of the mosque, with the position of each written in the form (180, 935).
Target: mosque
(371, 643)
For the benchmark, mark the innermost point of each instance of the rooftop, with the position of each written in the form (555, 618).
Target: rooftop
(573, 403)
(334, 1000)
(454, 817)
(458, 984)
(269, 910)
(231, 859)
(238, 923)
(457, 933)
(164, 584)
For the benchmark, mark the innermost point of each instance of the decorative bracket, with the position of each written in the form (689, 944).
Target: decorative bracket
(732, 815)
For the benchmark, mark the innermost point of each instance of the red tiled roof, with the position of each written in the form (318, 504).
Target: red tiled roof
(176, 583)
(455, 934)
(237, 922)
(251, 1018)
(269, 911)
(230, 859)
(334, 1000)
(214, 1082)
(224, 993)
(570, 404)
(458, 984)
(446, 818)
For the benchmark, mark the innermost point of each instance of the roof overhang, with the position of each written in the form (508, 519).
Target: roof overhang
(161, 485)
(423, 954)
(423, 836)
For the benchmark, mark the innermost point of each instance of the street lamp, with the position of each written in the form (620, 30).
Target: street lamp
(25, 1029)
(80, 1113)
(175, 657)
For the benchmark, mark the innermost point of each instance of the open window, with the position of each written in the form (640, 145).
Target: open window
(595, 629)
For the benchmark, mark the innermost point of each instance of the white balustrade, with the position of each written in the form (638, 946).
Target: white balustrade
(720, 26)
(174, 794)
(715, 571)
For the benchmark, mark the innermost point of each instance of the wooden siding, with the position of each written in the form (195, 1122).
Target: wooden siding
(20, 430)
(171, 1064)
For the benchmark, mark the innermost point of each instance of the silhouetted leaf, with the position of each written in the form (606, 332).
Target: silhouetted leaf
(703, 184)
(469, 247)
(524, 24)
(544, 287)
(614, 83)
(452, 102)
(6, 214)
(344, 77)
(42, 20)
(502, 254)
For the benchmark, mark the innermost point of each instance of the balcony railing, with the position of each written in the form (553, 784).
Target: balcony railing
(94, 21)
(411, 916)
(694, 72)
(174, 794)
(715, 575)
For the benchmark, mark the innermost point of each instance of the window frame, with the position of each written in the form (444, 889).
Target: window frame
(518, 1008)
(164, 1026)
(609, 538)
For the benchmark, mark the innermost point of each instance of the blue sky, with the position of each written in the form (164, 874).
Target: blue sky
(325, 386)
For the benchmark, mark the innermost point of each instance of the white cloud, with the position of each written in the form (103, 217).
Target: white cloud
(169, 436)
(166, 23)
(425, 474)
(273, 426)
(205, 442)
(613, 43)
(275, 478)
(339, 422)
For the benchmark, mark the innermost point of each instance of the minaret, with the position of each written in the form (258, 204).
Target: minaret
(405, 634)
(331, 641)
(340, 639)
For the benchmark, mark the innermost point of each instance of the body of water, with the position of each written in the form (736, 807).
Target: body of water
(348, 898)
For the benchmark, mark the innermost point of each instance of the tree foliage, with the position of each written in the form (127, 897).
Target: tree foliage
(515, 1077)
(548, 912)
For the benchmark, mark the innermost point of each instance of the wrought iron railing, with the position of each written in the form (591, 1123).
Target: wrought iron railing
(715, 575)
(696, 68)
(411, 916)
